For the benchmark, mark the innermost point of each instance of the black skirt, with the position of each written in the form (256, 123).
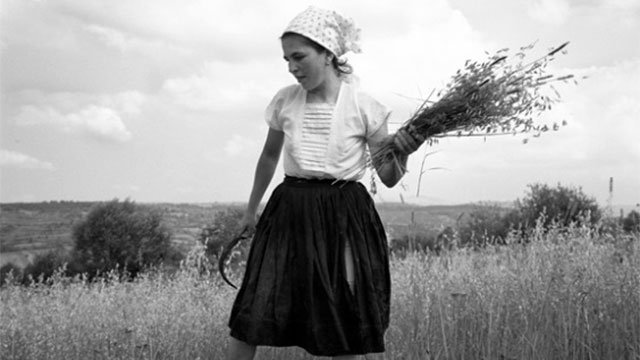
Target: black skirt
(295, 290)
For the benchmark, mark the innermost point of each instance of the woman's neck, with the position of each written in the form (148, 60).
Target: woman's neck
(327, 92)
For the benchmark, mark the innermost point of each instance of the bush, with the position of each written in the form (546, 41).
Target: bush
(447, 239)
(559, 206)
(418, 238)
(485, 224)
(631, 222)
(45, 265)
(10, 268)
(225, 225)
(409, 243)
(120, 235)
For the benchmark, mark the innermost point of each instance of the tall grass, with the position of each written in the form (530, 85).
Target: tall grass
(569, 294)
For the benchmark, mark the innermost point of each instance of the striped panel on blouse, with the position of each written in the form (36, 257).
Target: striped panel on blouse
(316, 129)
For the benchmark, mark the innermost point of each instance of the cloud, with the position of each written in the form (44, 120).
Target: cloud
(201, 25)
(627, 5)
(614, 116)
(128, 42)
(553, 12)
(101, 122)
(397, 65)
(602, 112)
(128, 102)
(216, 87)
(114, 38)
(18, 160)
(125, 102)
(241, 144)
(99, 115)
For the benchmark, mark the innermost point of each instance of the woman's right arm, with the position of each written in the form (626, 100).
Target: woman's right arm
(264, 173)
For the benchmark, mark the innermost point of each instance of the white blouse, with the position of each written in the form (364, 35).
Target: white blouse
(323, 140)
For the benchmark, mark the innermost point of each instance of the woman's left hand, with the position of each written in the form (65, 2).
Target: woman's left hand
(407, 141)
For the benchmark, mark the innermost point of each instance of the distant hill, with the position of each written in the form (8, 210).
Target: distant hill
(47, 225)
(30, 228)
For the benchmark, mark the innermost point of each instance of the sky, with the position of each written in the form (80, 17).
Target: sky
(163, 101)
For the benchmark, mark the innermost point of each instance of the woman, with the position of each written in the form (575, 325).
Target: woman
(317, 275)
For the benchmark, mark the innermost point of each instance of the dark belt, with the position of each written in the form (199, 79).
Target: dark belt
(297, 180)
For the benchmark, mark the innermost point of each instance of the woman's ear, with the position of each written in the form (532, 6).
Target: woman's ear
(328, 58)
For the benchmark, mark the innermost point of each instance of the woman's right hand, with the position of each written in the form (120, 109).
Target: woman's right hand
(249, 221)
(407, 140)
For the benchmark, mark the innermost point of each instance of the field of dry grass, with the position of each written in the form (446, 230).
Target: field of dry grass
(570, 294)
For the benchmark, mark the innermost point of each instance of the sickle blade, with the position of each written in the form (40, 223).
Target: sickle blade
(226, 251)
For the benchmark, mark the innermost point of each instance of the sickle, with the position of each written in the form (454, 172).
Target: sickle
(226, 251)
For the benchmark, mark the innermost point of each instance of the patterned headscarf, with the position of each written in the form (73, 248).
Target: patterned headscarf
(328, 28)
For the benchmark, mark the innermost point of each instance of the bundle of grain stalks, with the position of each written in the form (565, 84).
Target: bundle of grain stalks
(495, 97)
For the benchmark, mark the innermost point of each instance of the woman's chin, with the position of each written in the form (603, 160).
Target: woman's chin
(306, 84)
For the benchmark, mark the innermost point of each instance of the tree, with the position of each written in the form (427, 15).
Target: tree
(631, 222)
(120, 235)
(225, 225)
(560, 205)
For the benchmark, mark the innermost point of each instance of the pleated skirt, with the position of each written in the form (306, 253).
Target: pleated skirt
(295, 290)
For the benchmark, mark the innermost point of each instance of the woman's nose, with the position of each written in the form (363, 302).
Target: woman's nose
(293, 68)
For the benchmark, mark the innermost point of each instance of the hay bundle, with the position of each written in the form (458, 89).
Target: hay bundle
(494, 97)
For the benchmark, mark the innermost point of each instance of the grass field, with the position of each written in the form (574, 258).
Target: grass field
(570, 294)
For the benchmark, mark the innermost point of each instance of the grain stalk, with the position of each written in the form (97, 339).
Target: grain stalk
(486, 99)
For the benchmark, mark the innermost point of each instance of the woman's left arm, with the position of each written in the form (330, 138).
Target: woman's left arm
(391, 171)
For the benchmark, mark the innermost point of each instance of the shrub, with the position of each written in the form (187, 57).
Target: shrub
(447, 239)
(485, 224)
(45, 265)
(631, 222)
(560, 206)
(408, 243)
(419, 238)
(10, 272)
(225, 225)
(120, 235)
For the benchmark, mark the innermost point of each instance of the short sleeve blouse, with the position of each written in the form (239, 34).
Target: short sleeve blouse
(356, 117)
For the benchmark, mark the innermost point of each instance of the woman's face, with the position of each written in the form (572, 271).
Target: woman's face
(308, 65)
